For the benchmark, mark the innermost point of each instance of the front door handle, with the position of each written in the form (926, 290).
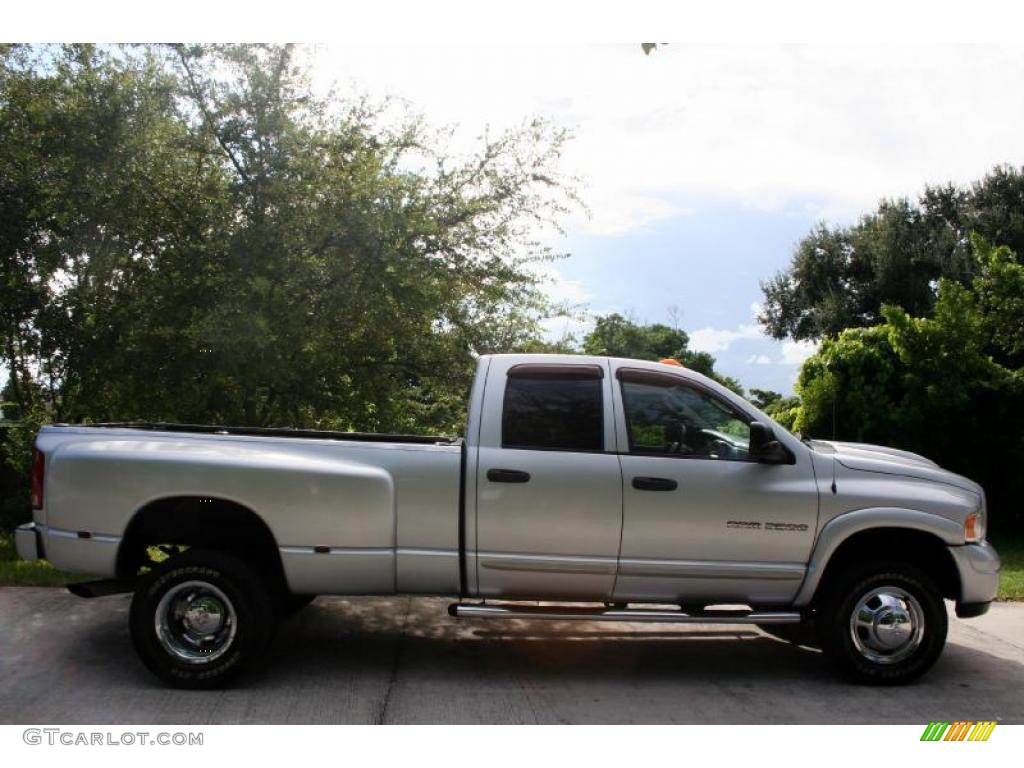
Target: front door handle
(507, 476)
(654, 484)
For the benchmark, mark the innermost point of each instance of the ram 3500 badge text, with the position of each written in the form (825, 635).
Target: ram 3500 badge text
(624, 484)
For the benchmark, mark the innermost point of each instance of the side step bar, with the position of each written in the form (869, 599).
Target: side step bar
(572, 613)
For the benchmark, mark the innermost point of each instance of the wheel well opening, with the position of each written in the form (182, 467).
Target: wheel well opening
(924, 550)
(200, 522)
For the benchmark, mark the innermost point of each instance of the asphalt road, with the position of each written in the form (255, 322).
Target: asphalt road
(403, 660)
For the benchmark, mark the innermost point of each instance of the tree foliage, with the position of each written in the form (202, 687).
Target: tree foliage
(840, 277)
(949, 386)
(781, 408)
(193, 234)
(617, 336)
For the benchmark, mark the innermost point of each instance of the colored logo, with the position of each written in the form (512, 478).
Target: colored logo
(961, 730)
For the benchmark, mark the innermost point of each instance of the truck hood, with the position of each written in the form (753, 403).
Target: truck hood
(891, 461)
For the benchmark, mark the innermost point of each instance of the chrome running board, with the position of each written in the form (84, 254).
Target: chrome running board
(573, 613)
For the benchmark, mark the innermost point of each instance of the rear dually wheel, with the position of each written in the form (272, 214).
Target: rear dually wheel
(201, 618)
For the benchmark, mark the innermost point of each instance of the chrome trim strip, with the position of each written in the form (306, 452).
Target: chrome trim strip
(424, 552)
(502, 561)
(709, 569)
(64, 533)
(408, 551)
(338, 551)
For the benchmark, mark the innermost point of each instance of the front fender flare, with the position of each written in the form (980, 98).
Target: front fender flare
(841, 528)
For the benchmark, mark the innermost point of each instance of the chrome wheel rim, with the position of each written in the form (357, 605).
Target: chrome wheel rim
(196, 622)
(887, 625)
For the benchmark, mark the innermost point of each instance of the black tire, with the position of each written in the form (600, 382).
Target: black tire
(852, 647)
(247, 621)
(295, 603)
(805, 633)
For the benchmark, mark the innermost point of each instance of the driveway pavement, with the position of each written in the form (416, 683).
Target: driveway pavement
(403, 660)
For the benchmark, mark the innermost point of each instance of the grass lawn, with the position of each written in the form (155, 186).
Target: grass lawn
(15, 572)
(1011, 580)
(22, 573)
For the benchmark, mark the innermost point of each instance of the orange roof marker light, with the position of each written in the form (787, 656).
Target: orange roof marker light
(671, 361)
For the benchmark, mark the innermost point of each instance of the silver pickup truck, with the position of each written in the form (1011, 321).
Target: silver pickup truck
(585, 489)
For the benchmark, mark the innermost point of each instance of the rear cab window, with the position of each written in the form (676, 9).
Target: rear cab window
(553, 408)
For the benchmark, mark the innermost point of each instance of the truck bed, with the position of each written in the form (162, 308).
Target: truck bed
(353, 513)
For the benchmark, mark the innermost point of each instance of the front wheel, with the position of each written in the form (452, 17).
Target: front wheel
(884, 624)
(201, 619)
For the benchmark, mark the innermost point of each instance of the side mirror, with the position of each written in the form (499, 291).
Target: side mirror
(764, 447)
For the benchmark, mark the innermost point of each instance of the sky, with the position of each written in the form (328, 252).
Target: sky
(703, 165)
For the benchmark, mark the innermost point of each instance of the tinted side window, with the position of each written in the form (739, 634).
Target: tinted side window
(553, 413)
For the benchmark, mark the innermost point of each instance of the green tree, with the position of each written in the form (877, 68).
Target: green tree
(781, 408)
(98, 196)
(366, 266)
(840, 277)
(932, 385)
(617, 336)
(192, 234)
(999, 287)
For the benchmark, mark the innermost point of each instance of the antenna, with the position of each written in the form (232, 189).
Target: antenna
(831, 370)
(828, 367)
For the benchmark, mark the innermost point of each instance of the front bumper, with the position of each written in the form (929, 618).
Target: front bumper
(978, 565)
(28, 542)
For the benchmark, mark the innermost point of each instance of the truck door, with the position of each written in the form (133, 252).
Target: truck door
(548, 482)
(702, 520)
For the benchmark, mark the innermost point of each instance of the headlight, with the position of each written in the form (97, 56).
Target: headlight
(974, 526)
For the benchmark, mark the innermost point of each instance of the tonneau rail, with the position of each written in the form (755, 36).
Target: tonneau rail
(319, 434)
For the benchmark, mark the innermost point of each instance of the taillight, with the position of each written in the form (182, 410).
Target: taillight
(38, 467)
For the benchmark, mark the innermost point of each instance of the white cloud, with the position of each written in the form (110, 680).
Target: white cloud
(720, 339)
(558, 288)
(613, 213)
(759, 360)
(795, 352)
(831, 129)
(557, 328)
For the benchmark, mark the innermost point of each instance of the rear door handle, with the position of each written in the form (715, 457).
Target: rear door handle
(507, 476)
(654, 484)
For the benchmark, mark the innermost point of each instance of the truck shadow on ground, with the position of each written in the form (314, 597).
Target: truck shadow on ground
(335, 636)
(336, 633)
(404, 660)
